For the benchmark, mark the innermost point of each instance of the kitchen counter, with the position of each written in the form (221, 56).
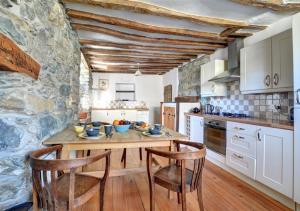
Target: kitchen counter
(135, 109)
(252, 121)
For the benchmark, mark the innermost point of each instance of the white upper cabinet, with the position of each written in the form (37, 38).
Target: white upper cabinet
(267, 66)
(282, 60)
(275, 159)
(208, 71)
(256, 67)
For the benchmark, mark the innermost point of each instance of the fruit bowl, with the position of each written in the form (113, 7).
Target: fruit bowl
(122, 128)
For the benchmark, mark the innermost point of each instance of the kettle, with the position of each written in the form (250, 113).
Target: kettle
(196, 110)
(209, 109)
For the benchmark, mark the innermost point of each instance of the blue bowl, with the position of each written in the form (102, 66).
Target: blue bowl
(154, 131)
(122, 128)
(92, 132)
(96, 124)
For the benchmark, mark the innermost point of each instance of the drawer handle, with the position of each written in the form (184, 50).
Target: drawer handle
(239, 128)
(238, 137)
(238, 156)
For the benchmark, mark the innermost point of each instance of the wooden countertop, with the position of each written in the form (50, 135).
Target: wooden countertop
(69, 136)
(134, 109)
(252, 121)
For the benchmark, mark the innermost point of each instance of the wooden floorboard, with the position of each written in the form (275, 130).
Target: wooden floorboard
(221, 190)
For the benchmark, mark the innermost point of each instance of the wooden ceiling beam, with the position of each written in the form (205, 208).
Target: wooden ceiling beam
(145, 8)
(144, 27)
(130, 72)
(134, 64)
(113, 58)
(85, 42)
(135, 53)
(277, 5)
(132, 67)
(140, 38)
(227, 32)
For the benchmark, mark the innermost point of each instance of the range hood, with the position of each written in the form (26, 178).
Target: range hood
(233, 72)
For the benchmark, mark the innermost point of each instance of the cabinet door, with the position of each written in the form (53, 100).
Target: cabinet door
(100, 116)
(275, 159)
(282, 60)
(256, 67)
(129, 115)
(196, 129)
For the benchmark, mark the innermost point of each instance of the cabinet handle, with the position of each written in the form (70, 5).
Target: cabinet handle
(276, 79)
(239, 128)
(258, 135)
(241, 137)
(298, 96)
(268, 80)
(238, 156)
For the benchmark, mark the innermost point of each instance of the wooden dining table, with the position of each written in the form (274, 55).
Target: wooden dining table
(131, 139)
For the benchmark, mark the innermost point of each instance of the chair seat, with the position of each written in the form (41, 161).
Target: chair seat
(170, 177)
(83, 184)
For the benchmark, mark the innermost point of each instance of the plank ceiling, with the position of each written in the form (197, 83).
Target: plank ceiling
(120, 36)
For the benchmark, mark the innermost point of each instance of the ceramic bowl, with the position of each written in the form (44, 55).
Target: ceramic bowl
(154, 131)
(96, 124)
(92, 132)
(121, 128)
(78, 129)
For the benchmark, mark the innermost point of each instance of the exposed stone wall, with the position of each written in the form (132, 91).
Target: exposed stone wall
(86, 83)
(189, 77)
(32, 110)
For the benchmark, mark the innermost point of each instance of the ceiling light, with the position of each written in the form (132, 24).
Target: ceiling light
(138, 72)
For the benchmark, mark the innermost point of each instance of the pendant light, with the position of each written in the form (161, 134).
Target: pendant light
(138, 72)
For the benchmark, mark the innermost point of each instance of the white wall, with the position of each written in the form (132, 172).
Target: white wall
(148, 89)
(171, 77)
(221, 53)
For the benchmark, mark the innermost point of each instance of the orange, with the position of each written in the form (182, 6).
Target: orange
(116, 122)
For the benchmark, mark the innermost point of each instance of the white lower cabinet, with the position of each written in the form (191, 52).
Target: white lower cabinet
(262, 153)
(196, 128)
(110, 115)
(275, 159)
(241, 163)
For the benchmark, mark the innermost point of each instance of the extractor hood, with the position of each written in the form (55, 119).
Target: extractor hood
(233, 72)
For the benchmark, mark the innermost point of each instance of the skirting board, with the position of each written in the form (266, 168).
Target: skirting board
(220, 161)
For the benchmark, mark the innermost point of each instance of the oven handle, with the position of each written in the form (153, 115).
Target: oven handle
(214, 126)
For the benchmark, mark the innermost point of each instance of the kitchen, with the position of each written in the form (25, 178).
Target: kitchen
(182, 105)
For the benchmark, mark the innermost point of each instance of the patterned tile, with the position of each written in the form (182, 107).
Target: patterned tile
(255, 105)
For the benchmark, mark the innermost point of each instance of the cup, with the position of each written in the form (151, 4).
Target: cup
(157, 127)
(108, 130)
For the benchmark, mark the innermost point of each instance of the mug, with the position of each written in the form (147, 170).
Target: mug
(108, 130)
(157, 127)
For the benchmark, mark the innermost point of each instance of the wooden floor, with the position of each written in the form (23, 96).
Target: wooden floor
(221, 191)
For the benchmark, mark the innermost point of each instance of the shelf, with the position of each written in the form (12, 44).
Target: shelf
(125, 91)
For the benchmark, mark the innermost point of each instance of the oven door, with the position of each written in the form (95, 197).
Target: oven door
(215, 138)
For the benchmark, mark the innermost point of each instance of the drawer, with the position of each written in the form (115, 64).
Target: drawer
(241, 163)
(239, 128)
(241, 143)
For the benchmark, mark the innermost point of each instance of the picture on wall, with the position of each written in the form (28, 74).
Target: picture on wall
(103, 84)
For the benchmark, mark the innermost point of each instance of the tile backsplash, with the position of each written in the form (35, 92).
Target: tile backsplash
(255, 105)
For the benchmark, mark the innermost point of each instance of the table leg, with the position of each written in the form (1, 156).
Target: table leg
(65, 152)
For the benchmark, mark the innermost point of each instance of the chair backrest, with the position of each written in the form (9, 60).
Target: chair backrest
(199, 159)
(46, 171)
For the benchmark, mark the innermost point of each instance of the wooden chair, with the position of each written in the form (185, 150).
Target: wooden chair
(177, 177)
(124, 155)
(58, 190)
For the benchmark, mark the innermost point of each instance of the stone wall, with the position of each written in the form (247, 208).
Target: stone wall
(32, 110)
(189, 77)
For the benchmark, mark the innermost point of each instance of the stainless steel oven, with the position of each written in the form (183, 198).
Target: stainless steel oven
(215, 135)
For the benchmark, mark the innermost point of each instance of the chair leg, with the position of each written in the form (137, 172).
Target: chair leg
(102, 189)
(141, 154)
(200, 199)
(152, 196)
(178, 198)
(123, 159)
(183, 201)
